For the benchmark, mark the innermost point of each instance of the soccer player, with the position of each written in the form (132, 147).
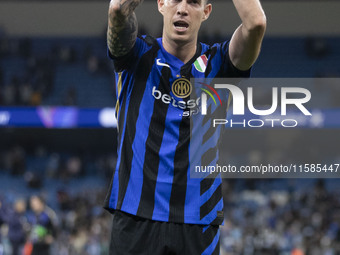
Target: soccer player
(157, 208)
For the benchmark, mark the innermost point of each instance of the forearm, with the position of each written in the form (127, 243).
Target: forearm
(251, 14)
(246, 42)
(122, 26)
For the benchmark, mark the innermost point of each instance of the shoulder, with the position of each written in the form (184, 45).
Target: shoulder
(220, 47)
(148, 39)
(143, 44)
(219, 60)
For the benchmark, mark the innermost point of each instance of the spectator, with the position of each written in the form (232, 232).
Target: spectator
(42, 220)
(17, 223)
(9, 94)
(70, 98)
(25, 93)
(92, 64)
(36, 98)
(17, 160)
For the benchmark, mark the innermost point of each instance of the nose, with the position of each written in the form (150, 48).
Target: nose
(182, 8)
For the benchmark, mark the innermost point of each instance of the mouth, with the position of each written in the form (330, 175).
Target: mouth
(181, 26)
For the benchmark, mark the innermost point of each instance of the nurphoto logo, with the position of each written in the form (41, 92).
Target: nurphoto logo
(239, 102)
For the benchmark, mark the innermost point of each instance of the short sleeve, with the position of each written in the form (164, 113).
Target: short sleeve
(229, 69)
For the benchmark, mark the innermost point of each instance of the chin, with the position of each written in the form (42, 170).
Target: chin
(184, 38)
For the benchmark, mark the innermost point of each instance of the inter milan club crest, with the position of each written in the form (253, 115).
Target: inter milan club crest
(181, 88)
(201, 63)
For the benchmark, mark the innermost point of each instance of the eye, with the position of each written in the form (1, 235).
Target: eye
(194, 2)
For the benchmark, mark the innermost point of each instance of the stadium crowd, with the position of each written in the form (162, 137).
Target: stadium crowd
(261, 216)
(258, 221)
(28, 66)
(46, 210)
(78, 226)
(286, 222)
(28, 71)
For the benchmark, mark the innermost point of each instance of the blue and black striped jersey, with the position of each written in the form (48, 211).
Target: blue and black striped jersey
(152, 179)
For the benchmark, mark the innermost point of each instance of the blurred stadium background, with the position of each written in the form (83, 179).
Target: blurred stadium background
(58, 135)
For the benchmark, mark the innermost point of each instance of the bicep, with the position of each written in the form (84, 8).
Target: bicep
(245, 47)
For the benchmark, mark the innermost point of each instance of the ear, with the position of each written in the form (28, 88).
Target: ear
(207, 11)
(160, 4)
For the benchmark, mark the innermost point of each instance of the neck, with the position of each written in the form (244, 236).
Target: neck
(182, 50)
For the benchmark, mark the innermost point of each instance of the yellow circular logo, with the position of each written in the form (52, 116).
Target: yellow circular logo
(181, 88)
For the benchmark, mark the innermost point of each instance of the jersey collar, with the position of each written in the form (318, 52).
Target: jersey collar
(176, 61)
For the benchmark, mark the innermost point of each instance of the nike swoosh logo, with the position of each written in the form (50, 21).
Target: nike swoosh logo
(161, 64)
